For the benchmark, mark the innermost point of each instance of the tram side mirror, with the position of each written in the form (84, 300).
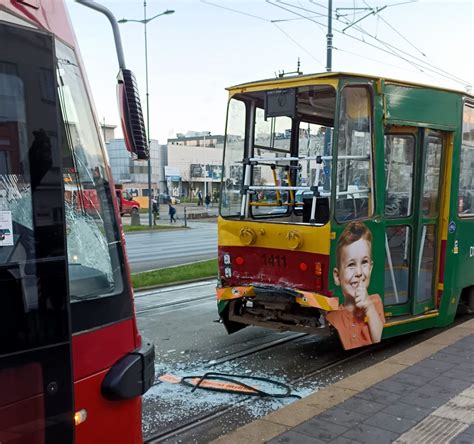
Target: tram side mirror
(131, 115)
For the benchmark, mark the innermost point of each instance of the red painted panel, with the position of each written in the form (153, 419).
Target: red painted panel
(99, 349)
(21, 405)
(50, 15)
(107, 421)
(289, 269)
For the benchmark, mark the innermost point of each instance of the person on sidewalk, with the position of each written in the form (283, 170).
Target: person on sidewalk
(155, 210)
(199, 198)
(171, 212)
(207, 201)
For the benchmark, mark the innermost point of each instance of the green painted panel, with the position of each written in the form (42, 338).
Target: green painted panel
(409, 327)
(425, 107)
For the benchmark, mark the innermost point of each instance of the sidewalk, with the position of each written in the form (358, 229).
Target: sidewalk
(422, 395)
(193, 213)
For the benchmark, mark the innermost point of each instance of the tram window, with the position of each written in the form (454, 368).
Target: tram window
(268, 140)
(466, 178)
(270, 202)
(32, 267)
(431, 176)
(314, 140)
(354, 198)
(273, 132)
(232, 177)
(426, 264)
(397, 265)
(399, 158)
(92, 235)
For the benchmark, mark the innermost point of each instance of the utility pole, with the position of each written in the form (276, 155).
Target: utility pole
(144, 22)
(328, 133)
(329, 39)
(150, 203)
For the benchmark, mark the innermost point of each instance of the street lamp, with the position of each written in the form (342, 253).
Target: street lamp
(144, 22)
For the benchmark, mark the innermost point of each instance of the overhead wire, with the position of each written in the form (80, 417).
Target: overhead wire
(320, 24)
(273, 22)
(390, 50)
(298, 44)
(234, 10)
(421, 66)
(422, 63)
(379, 16)
(371, 59)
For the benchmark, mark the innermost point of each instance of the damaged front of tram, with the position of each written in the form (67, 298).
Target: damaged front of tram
(298, 175)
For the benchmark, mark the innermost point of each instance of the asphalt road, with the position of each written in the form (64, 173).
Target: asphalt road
(159, 249)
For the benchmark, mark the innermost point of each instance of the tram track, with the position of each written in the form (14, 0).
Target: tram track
(350, 364)
(255, 349)
(169, 289)
(207, 418)
(172, 291)
(174, 303)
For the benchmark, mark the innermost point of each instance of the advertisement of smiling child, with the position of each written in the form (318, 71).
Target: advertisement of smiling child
(360, 319)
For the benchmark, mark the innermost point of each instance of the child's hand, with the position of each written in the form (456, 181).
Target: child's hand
(361, 299)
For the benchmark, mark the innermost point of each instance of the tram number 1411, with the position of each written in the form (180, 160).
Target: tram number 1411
(274, 260)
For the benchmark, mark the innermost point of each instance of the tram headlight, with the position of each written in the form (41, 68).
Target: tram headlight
(226, 258)
(228, 272)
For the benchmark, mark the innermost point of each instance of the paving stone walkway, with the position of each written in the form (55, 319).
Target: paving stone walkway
(424, 394)
(429, 402)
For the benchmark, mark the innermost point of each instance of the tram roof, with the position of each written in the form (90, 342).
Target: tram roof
(292, 81)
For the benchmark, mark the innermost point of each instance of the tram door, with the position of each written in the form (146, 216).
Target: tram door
(413, 169)
(36, 397)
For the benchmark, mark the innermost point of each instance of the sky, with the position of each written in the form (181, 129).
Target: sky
(208, 45)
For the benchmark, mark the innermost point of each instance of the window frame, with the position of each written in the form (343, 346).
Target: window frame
(372, 179)
(95, 313)
(411, 208)
(466, 103)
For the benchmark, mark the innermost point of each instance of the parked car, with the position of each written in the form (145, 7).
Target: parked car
(164, 198)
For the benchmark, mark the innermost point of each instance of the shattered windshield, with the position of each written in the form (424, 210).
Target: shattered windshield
(94, 265)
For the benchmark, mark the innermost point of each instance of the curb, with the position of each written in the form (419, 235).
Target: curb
(282, 420)
(155, 231)
(171, 284)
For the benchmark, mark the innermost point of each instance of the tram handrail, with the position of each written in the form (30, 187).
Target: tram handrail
(305, 188)
(297, 158)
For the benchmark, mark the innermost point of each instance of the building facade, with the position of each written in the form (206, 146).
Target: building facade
(133, 174)
(189, 163)
(195, 160)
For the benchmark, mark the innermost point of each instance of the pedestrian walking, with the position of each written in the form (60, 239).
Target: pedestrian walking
(171, 212)
(207, 201)
(199, 198)
(155, 210)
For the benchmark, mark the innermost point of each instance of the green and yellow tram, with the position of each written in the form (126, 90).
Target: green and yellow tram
(347, 204)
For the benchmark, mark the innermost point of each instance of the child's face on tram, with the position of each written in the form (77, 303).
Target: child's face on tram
(354, 267)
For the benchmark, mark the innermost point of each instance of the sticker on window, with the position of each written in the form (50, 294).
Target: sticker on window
(6, 228)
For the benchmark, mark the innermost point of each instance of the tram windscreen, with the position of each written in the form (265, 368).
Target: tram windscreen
(94, 257)
(277, 188)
